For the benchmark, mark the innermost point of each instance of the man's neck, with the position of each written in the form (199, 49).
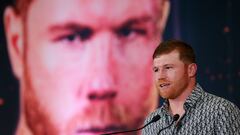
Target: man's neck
(176, 105)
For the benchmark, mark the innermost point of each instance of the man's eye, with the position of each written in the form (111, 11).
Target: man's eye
(70, 37)
(168, 67)
(85, 34)
(81, 35)
(126, 31)
(155, 70)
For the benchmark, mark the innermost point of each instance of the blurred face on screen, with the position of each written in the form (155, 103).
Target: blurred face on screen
(85, 66)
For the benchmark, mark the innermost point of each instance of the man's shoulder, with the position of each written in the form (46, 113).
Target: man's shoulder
(218, 103)
(225, 114)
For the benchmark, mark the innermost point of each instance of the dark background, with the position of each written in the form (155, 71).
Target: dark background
(212, 27)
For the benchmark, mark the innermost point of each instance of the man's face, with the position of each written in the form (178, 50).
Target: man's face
(170, 75)
(87, 65)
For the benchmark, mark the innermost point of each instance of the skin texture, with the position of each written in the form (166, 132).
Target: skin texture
(84, 66)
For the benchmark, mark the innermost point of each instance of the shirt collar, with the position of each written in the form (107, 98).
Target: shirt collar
(194, 97)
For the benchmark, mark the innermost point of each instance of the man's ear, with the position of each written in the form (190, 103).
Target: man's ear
(192, 69)
(165, 8)
(14, 33)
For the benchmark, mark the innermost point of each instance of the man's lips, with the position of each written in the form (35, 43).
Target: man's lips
(164, 85)
(102, 129)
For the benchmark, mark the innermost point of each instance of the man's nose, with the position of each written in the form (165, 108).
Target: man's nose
(103, 80)
(102, 88)
(103, 48)
(102, 96)
(161, 74)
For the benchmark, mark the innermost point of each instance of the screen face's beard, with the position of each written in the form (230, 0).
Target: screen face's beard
(40, 122)
(37, 119)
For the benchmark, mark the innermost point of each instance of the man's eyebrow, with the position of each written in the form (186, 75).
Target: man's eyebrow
(139, 20)
(66, 26)
(168, 65)
(154, 67)
(77, 27)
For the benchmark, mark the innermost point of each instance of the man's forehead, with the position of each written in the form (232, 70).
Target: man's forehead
(92, 11)
(98, 7)
(168, 58)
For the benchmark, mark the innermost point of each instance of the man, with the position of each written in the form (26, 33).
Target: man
(201, 113)
(78, 63)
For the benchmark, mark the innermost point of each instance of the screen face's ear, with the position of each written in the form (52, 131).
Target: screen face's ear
(165, 8)
(14, 33)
